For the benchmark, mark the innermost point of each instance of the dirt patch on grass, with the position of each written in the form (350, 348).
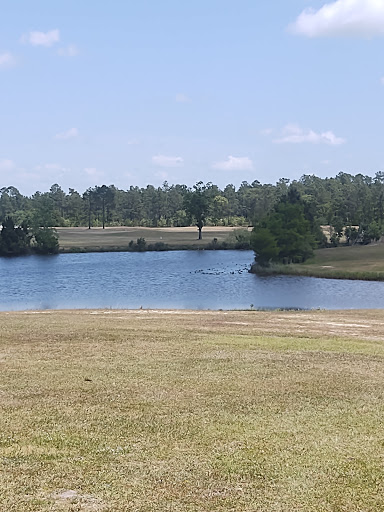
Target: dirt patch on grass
(71, 500)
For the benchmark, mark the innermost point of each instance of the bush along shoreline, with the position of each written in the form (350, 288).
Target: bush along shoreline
(142, 246)
(23, 240)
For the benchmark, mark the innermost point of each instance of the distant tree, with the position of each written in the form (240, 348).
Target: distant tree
(285, 234)
(59, 200)
(351, 234)
(104, 197)
(372, 232)
(264, 243)
(141, 244)
(76, 209)
(44, 212)
(219, 208)
(14, 240)
(197, 205)
(45, 241)
(89, 199)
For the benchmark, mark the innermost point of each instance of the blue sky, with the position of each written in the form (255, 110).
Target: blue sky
(137, 92)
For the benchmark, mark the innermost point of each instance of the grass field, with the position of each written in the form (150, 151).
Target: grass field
(192, 411)
(96, 238)
(355, 262)
(358, 258)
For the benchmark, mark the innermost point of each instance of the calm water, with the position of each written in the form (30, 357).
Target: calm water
(180, 279)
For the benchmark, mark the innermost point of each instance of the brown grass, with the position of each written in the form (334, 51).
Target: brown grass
(121, 236)
(192, 411)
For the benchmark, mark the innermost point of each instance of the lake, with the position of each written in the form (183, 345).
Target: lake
(179, 279)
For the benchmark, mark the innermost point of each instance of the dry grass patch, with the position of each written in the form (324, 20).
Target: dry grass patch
(192, 411)
(121, 236)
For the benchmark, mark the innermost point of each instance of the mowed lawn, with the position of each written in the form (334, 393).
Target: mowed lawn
(357, 258)
(192, 411)
(121, 236)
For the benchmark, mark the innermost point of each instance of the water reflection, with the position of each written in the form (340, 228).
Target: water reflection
(180, 279)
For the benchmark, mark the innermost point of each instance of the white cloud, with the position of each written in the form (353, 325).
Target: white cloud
(57, 168)
(182, 98)
(92, 171)
(41, 38)
(7, 60)
(68, 51)
(7, 165)
(68, 134)
(167, 161)
(382, 80)
(353, 18)
(234, 163)
(293, 134)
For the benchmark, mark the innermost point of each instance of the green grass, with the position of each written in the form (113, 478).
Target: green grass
(357, 262)
(119, 237)
(192, 411)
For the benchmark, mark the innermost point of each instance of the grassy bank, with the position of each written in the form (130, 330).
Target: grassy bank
(118, 238)
(192, 411)
(357, 262)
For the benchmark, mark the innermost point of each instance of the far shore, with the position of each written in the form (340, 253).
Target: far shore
(124, 238)
(359, 262)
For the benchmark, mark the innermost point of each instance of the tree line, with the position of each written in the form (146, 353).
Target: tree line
(356, 201)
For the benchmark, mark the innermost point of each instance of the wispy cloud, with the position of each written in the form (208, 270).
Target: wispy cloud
(167, 161)
(7, 60)
(68, 134)
(7, 165)
(68, 51)
(353, 18)
(234, 163)
(182, 98)
(56, 168)
(46, 39)
(293, 134)
(92, 171)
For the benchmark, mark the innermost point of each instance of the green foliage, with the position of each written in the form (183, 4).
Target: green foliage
(19, 240)
(351, 234)
(141, 244)
(218, 209)
(285, 234)
(264, 243)
(344, 200)
(374, 231)
(243, 239)
(45, 241)
(14, 241)
(197, 205)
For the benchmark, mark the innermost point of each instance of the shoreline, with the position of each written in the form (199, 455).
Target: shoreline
(320, 273)
(152, 248)
(186, 312)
